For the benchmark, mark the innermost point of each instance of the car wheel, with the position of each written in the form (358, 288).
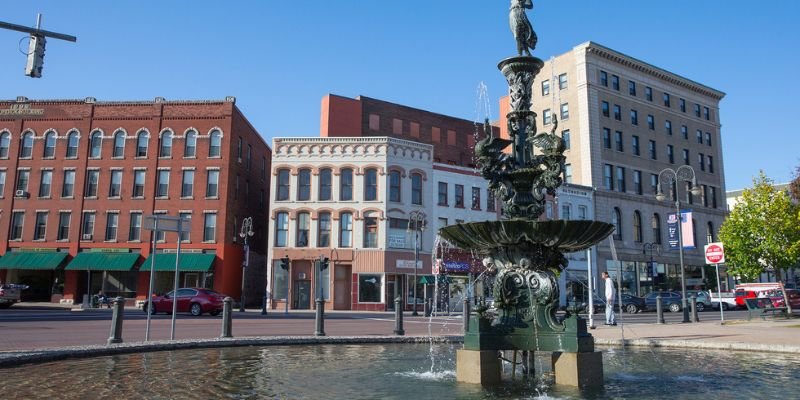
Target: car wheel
(700, 307)
(195, 309)
(675, 307)
(726, 306)
(146, 308)
(631, 308)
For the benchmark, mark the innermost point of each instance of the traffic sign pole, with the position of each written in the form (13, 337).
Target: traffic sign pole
(715, 254)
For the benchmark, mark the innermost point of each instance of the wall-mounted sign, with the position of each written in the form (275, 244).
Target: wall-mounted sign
(408, 264)
(21, 110)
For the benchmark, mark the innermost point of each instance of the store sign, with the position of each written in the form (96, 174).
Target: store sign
(21, 110)
(397, 241)
(407, 264)
(453, 266)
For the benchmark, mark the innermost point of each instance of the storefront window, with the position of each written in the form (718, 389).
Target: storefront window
(279, 282)
(369, 288)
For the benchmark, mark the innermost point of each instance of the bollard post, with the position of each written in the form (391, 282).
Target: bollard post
(659, 311)
(227, 318)
(466, 315)
(693, 300)
(428, 306)
(398, 317)
(116, 321)
(320, 325)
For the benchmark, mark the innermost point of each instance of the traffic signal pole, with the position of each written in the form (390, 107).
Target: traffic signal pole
(36, 47)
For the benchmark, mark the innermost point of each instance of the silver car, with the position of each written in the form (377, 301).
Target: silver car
(703, 299)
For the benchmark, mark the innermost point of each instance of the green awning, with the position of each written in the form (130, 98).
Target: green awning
(100, 261)
(431, 279)
(32, 260)
(195, 262)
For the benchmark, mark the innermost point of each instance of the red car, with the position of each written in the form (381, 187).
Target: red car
(193, 300)
(778, 301)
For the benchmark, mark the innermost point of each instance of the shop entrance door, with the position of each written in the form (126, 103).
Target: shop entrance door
(341, 287)
(302, 295)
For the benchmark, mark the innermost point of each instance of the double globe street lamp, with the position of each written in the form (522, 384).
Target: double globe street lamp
(684, 173)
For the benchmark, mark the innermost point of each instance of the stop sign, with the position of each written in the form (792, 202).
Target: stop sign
(715, 253)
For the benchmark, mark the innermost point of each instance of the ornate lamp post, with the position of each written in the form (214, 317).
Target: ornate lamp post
(246, 232)
(416, 221)
(684, 173)
(649, 248)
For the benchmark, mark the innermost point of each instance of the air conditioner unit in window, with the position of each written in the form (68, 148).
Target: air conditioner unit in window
(239, 160)
(87, 236)
(21, 193)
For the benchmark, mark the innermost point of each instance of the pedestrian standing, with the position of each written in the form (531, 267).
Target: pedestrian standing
(611, 318)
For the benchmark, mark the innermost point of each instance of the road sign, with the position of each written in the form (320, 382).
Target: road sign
(715, 253)
(167, 223)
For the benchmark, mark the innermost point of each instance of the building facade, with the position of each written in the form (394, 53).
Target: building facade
(79, 180)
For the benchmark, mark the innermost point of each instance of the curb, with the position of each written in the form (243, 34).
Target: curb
(769, 348)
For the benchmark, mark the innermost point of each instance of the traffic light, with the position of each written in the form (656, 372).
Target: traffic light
(323, 263)
(285, 263)
(35, 63)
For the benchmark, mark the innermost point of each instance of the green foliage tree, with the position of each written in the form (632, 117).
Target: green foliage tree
(794, 185)
(762, 230)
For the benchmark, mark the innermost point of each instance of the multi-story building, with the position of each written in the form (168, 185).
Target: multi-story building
(625, 121)
(80, 178)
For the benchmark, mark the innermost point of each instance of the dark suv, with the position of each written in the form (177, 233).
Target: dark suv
(669, 301)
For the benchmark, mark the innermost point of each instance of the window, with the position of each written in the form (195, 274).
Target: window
(304, 184)
(281, 229)
(5, 144)
(710, 232)
(670, 154)
(616, 220)
(442, 198)
(142, 139)
(374, 122)
(2, 182)
(582, 212)
(190, 144)
(263, 168)
(614, 82)
(459, 196)
(706, 113)
(634, 117)
(215, 143)
(708, 139)
(618, 141)
(545, 87)
(283, 185)
(49, 144)
(186, 235)
(699, 136)
(632, 88)
(635, 144)
(212, 183)
(249, 156)
(303, 228)
(162, 185)
(685, 132)
(565, 136)
(187, 184)
(239, 145)
(17, 221)
(26, 150)
(637, 227)
(119, 145)
(637, 181)
(369, 288)
(668, 127)
(655, 224)
(490, 203)
(565, 211)
(135, 230)
(112, 222)
(324, 229)
(547, 116)
(686, 156)
(701, 160)
(397, 126)
(40, 229)
(604, 106)
(210, 227)
(710, 160)
(371, 184)
(346, 184)
(92, 180)
(562, 81)
(651, 122)
(654, 183)
(621, 179)
(88, 225)
(68, 188)
(697, 110)
(608, 180)
(165, 150)
(370, 231)
(95, 144)
(23, 176)
(652, 149)
(46, 183)
(138, 183)
(568, 173)
(325, 185)
(416, 189)
(564, 111)
(345, 229)
(617, 113)
(607, 138)
(713, 197)
(604, 78)
(666, 99)
(476, 198)
(648, 93)
(394, 186)
(63, 225)
(682, 104)
(115, 187)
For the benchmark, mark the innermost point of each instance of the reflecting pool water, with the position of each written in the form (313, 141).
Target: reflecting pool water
(391, 371)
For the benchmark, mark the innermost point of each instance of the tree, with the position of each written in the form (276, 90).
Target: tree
(762, 231)
(794, 185)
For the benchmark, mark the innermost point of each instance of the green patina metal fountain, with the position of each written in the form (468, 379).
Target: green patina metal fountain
(526, 252)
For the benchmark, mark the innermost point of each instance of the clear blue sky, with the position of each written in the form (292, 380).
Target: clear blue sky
(279, 58)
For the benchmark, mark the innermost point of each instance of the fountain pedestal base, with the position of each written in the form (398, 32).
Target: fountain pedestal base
(584, 370)
(478, 366)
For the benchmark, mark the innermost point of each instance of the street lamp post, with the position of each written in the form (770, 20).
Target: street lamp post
(417, 217)
(684, 173)
(247, 232)
(649, 248)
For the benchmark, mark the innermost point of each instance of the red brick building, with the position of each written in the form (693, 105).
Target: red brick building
(78, 179)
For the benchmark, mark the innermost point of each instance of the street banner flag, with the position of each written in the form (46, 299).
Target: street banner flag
(686, 229)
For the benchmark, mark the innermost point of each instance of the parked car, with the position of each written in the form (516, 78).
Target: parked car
(703, 299)
(10, 293)
(193, 300)
(778, 301)
(728, 300)
(630, 304)
(669, 300)
(742, 294)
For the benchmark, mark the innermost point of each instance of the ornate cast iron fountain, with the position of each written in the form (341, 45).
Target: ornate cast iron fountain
(526, 252)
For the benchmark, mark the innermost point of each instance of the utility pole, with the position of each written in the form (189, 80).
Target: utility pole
(36, 44)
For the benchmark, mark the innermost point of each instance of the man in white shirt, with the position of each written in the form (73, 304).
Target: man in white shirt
(611, 292)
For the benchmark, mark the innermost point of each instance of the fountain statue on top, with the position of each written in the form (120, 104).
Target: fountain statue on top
(527, 252)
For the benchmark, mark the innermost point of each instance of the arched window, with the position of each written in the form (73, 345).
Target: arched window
(325, 185)
(394, 186)
(49, 144)
(119, 144)
(304, 184)
(215, 144)
(303, 227)
(616, 220)
(26, 151)
(165, 150)
(281, 229)
(710, 232)
(190, 144)
(370, 230)
(142, 140)
(5, 144)
(72, 144)
(324, 229)
(346, 229)
(416, 189)
(371, 184)
(283, 185)
(655, 223)
(346, 185)
(95, 144)
(637, 227)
